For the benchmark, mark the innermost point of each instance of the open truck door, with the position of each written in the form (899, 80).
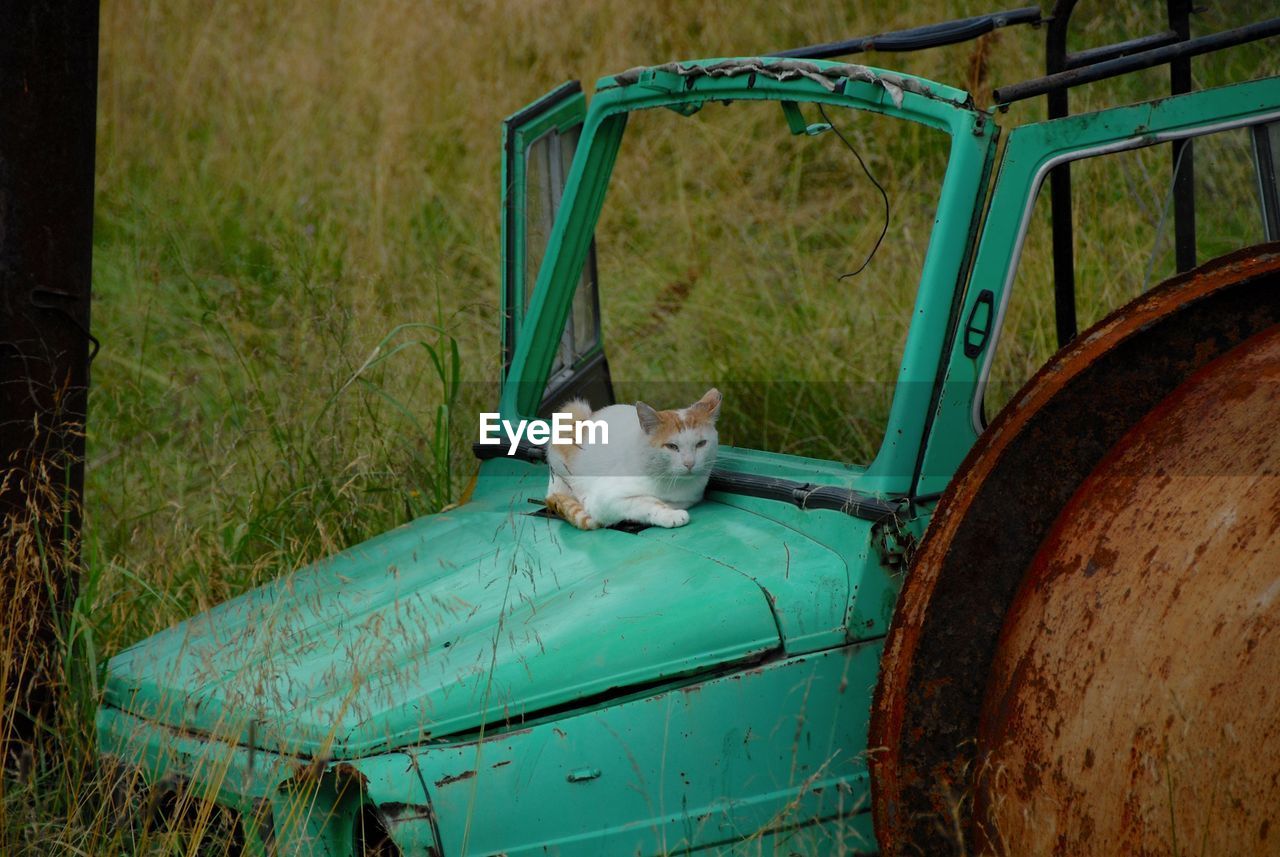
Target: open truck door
(539, 143)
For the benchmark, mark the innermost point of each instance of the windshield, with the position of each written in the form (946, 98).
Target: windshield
(786, 252)
(727, 254)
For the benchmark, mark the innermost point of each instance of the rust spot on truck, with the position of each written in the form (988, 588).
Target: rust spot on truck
(455, 778)
(347, 772)
(310, 771)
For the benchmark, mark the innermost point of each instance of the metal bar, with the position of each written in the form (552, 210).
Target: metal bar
(1147, 59)
(48, 106)
(918, 38)
(1080, 59)
(1064, 273)
(1182, 151)
(1268, 172)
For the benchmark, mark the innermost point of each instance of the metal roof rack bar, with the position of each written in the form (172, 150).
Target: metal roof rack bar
(1146, 59)
(918, 38)
(1079, 59)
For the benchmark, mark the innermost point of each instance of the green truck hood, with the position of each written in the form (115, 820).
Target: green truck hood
(472, 619)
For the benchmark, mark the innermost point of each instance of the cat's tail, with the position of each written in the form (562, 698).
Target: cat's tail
(578, 409)
(571, 509)
(560, 455)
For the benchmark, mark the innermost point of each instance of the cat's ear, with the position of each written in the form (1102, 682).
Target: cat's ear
(709, 404)
(648, 417)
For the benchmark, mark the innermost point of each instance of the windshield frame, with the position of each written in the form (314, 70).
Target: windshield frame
(685, 87)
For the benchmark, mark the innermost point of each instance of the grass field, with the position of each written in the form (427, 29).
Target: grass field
(287, 191)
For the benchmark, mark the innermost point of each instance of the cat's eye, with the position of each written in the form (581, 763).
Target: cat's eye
(672, 447)
(701, 444)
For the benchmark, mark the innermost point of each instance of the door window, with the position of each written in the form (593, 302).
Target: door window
(547, 164)
(1124, 239)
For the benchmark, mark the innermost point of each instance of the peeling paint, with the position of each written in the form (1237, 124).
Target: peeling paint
(454, 778)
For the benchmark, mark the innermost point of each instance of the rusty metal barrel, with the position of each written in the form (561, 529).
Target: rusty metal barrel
(1085, 658)
(1133, 701)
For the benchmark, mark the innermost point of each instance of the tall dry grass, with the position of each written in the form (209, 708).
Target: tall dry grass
(297, 207)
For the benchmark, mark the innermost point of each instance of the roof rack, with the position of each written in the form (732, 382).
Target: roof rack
(1173, 46)
(1064, 70)
(918, 38)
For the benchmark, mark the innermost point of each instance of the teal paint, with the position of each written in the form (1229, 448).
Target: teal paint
(491, 682)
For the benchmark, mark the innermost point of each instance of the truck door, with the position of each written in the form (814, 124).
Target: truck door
(539, 144)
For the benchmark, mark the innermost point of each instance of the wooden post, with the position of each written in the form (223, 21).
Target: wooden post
(48, 106)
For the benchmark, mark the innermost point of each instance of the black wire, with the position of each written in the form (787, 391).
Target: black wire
(884, 195)
(40, 299)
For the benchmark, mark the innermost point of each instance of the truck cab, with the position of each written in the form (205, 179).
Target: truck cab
(490, 680)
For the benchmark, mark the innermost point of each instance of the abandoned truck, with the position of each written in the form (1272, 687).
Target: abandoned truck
(1078, 652)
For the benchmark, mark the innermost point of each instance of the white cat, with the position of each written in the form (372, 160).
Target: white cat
(654, 467)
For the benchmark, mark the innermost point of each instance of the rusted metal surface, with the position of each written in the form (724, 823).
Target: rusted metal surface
(1131, 704)
(996, 513)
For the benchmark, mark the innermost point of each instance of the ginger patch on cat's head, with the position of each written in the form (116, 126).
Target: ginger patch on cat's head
(662, 425)
(705, 410)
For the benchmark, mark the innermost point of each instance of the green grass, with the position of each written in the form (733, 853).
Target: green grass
(296, 267)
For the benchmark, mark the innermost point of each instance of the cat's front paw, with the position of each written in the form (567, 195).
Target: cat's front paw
(671, 517)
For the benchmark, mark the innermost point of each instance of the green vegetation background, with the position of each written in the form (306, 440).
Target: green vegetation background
(297, 214)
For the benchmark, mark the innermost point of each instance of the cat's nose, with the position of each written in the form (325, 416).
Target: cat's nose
(689, 466)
